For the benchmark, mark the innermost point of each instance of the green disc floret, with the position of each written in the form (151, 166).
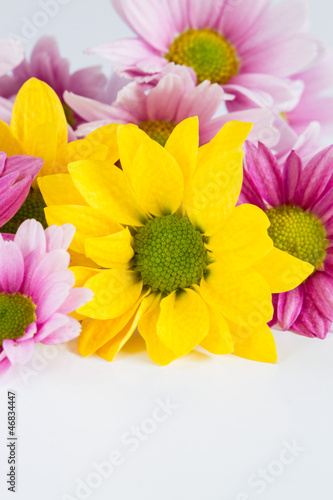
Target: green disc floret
(32, 208)
(158, 130)
(170, 254)
(298, 232)
(16, 313)
(207, 52)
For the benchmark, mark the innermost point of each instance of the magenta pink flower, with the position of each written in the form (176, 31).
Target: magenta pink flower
(36, 291)
(250, 48)
(16, 176)
(47, 65)
(298, 200)
(157, 111)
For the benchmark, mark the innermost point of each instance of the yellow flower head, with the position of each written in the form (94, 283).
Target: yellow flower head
(169, 252)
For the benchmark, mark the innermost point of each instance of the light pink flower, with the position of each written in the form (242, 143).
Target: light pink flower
(175, 98)
(36, 291)
(16, 176)
(270, 42)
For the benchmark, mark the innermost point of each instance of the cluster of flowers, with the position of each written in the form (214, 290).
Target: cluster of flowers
(187, 196)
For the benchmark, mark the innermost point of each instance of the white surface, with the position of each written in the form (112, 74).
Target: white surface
(234, 417)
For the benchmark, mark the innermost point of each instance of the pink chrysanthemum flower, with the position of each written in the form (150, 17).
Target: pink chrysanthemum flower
(298, 200)
(36, 291)
(175, 98)
(47, 65)
(250, 48)
(16, 176)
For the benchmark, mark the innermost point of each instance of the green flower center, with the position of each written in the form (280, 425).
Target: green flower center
(299, 233)
(32, 208)
(16, 313)
(158, 130)
(170, 254)
(211, 56)
(71, 120)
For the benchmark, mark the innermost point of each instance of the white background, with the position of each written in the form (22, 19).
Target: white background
(234, 419)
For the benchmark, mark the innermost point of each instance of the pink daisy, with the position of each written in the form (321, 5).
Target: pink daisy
(298, 200)
(250, 48)
(157, 111)
(47, 65)
(16, 176)
(36, 291)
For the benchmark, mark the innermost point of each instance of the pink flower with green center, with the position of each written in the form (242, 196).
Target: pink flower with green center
(36, 291)
(158, 110)
(250, 48)
(47, 65)
(16, 176)
(298, 200)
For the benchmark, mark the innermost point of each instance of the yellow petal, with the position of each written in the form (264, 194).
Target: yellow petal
(214, 190)
(111, 348)
(84, 149)
(116, 291)
(231, 136)
(282, 271)
(218, 340)
(107, 136)
(183, 322)
(43, 143)
(37, 104)
(154, 174)
(243, 297)
(257, 344)
(78, 259)
(243, 239)
(88, 222)
(105, 187)
(8, 142)
(157, 350)
(59, 189)
(129, 138)
(115, 250)
(183, 144)
(96, 333)
(83, 274)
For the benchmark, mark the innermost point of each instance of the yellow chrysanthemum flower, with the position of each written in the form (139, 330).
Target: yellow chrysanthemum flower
(176, 258)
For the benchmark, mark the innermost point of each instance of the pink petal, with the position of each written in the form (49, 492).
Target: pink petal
(30, 236)
(88, 82)
(11, 268)
(289, 307)
(319, 288)
(59, 237)
(23, 166)
(51, 300)
(203, 101)
(12, 54)
(64, 334)
(57, 260)
(19, 353)
(264, 169)
(311, 322)
(291, 176)
(89, 109)
(127, 52)
(51, 325)
(6, 108)
(5, 364)
(77, 297)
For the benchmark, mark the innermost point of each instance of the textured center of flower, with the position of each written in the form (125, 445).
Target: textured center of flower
(158, 130)
(299, 233)
(16, 313)
(32, 208)
(211, 56)
(170, 254)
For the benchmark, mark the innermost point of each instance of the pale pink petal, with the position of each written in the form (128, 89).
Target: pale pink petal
(57, 260)
(12, 54)
(19, 352)
(59, 237)
(88, 82)
(64, 334)
(11, 268)
(30, 236)
(90, 109)
(6, 108)
(77, 297)
(51, 325)
(203, 101)
(38, 292)
(127, 52)
(51, 300)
